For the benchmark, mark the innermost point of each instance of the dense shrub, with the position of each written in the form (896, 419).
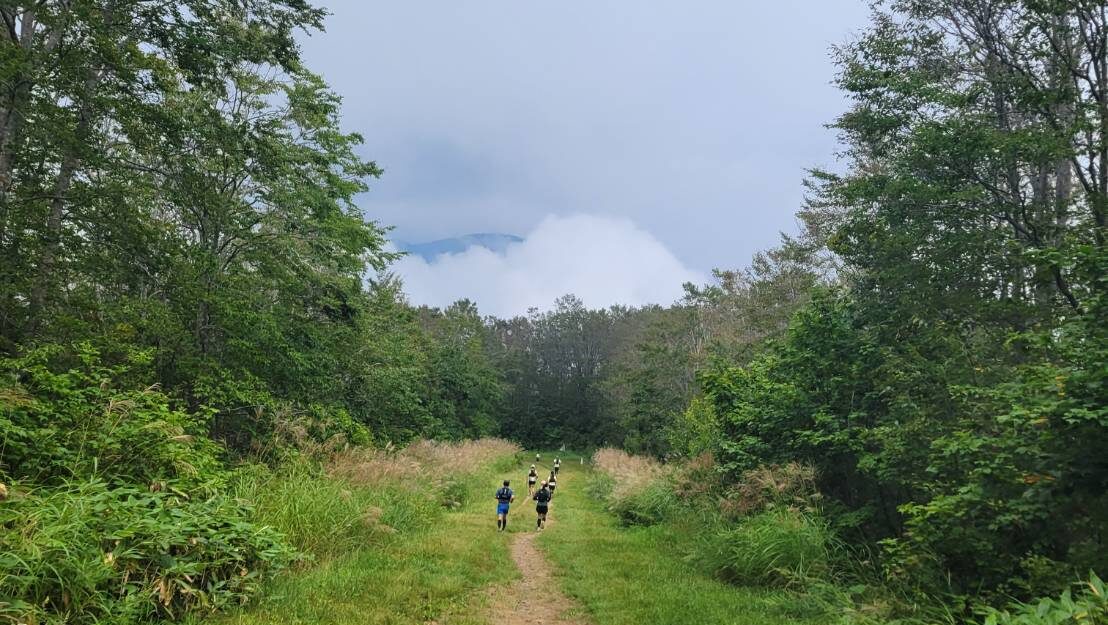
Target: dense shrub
(600, 486)
(65, 414)
(791, 484)
(88, 552)
(772, 548)
(650, 505)
(1088, 607)
(117, 511)
(699, 479)
(362, 497)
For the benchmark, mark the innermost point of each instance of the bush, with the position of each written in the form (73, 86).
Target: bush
(599, 486)
(696, 430)
(86, 420)
(324, 516)
(791, 484)
(114, 514)
(89, 552)
(1089, 607)
(629, 473)
(772, 548)
(650, 505)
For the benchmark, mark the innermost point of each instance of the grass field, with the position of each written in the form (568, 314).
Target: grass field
(421, 570)
(632, 576)
(436, 569)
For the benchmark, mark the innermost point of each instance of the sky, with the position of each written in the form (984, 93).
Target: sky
(681, 131)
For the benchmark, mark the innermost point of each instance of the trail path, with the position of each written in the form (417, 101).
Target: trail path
(535, 599)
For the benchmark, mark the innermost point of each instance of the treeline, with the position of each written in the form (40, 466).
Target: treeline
(935, 344)
(626, 376)
(182, 286)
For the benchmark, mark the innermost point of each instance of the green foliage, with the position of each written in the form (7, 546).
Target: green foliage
(322, 516)
(396, 555)
(772, 548)
(631, 575)
(599, 485)
(89, 552)
(79, 423)
(653, 504)
(117, 512)
(696, 430)
(1088, 607)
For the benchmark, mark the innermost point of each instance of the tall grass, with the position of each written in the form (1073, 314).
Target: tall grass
(628, 473)
(420, 464)
(654, 503)
(362, 497)
(86, 552)
(374, 523)
(772, 548)
(320, 516)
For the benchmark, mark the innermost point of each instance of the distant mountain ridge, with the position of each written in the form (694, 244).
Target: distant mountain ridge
(493, 241)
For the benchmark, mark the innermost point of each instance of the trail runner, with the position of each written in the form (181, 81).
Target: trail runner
(552, 483)
(504, 498)
(542, 505)
(532, 477)
(557, 465)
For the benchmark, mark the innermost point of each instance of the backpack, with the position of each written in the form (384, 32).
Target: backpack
(504, 494)
(542, 496)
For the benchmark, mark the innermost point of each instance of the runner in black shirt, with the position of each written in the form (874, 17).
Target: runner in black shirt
(532, 477)
(542, 505)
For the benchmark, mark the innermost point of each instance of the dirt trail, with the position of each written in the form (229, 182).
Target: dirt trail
(535, 599)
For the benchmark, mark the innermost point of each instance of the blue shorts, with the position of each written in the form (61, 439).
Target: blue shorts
(502, 507)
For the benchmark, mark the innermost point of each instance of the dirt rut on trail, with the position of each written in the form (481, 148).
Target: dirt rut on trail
(535, 599)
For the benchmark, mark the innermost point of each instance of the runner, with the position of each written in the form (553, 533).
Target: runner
(557, 465)
(552, 483)
(532, 477)
(536, 458)
(504, 498)
(542, 505)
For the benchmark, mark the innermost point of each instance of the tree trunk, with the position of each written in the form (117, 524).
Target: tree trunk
(71, 160)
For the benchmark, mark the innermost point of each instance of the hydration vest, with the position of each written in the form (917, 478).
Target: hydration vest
(543, 496)
(504, 495)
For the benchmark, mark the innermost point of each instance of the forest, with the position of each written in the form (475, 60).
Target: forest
(190, 294)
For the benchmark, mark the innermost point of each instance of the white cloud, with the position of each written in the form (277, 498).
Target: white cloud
(601, 260)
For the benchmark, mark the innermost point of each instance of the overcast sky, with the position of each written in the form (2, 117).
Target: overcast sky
(689, 124)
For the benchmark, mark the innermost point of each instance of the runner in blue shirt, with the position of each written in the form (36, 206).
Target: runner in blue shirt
(504, 498)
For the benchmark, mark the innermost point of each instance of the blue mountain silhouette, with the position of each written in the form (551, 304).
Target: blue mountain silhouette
(493, 241)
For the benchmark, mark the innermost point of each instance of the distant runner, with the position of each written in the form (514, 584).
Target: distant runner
(552, 483)
(504, 498)
(557, 465)
(536, 458)
(542, 505)
(532, 477)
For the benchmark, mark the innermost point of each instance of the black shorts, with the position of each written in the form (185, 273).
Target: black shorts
(541, 509)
